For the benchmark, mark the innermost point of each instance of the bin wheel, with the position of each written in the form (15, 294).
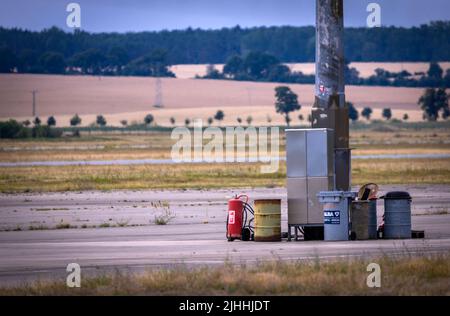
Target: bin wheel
(352, 236)
(230, 239)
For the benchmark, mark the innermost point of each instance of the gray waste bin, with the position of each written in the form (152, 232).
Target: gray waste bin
(336, 205)
(397, 215)
(373, 219)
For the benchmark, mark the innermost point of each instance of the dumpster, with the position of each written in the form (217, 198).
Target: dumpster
(397, 215)
(336, 206)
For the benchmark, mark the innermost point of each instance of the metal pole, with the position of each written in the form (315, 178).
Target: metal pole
(34, 102)
(330, 109)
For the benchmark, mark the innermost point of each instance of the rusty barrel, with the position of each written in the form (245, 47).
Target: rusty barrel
(360, 219)
(268, 220)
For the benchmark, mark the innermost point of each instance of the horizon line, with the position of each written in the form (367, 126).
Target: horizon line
(65, 30)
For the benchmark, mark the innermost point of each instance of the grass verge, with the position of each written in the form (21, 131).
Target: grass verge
(427, 275)
(207, 176)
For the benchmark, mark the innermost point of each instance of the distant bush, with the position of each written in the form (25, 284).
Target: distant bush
(101, 121)
(395, 121)
(45, 131)
(10, 129)
(13, 129)
(51, 121)
(367, 113)
(387, 113)
(75, 120)
(148, 119)
(353, 113)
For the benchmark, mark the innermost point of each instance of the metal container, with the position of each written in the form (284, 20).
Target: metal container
(297, 191)
(309, 152)
(359, 217)
(336, 205)
(342, 165)
(319, 152)
(310, 169)
(316, 185)
(268, 220)
(296, 153)
(397, 215)
(373, 226)
(303, 204)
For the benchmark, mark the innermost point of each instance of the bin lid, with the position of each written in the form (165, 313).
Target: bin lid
(397, 195)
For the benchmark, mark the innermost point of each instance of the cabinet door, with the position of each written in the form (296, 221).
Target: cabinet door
(315, 209)
(297, 201)
(296, 153)
(319, 153)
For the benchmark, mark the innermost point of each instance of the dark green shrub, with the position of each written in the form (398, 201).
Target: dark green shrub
(10, 129)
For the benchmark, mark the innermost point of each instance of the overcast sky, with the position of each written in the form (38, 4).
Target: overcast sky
(139, 15)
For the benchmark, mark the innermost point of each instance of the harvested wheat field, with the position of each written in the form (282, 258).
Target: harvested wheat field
(131, 98)
(365, 69)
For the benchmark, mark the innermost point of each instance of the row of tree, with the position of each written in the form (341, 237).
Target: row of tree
(14, 129)
(55, 51)
(434, 103)
(257, 66)
(386, 113)
(90, 62)
(434, 78)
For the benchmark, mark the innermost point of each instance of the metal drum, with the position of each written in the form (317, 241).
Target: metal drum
(268, 220)
(360, 219)
(397, 215)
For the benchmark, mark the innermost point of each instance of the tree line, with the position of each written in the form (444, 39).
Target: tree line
(148, 53)
(257, 66)
(434, 104)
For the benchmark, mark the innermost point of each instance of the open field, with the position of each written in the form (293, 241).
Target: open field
(402, 140)
(131, 98)
(110, 146)
(207, 176)
(422, 275)
(365, 69)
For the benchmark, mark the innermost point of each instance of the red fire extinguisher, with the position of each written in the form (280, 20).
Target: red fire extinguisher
(237, 227)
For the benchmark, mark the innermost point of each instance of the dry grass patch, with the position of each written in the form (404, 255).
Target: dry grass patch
(207, 176)
(401, 171)
(399, 276)
(178, 176)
